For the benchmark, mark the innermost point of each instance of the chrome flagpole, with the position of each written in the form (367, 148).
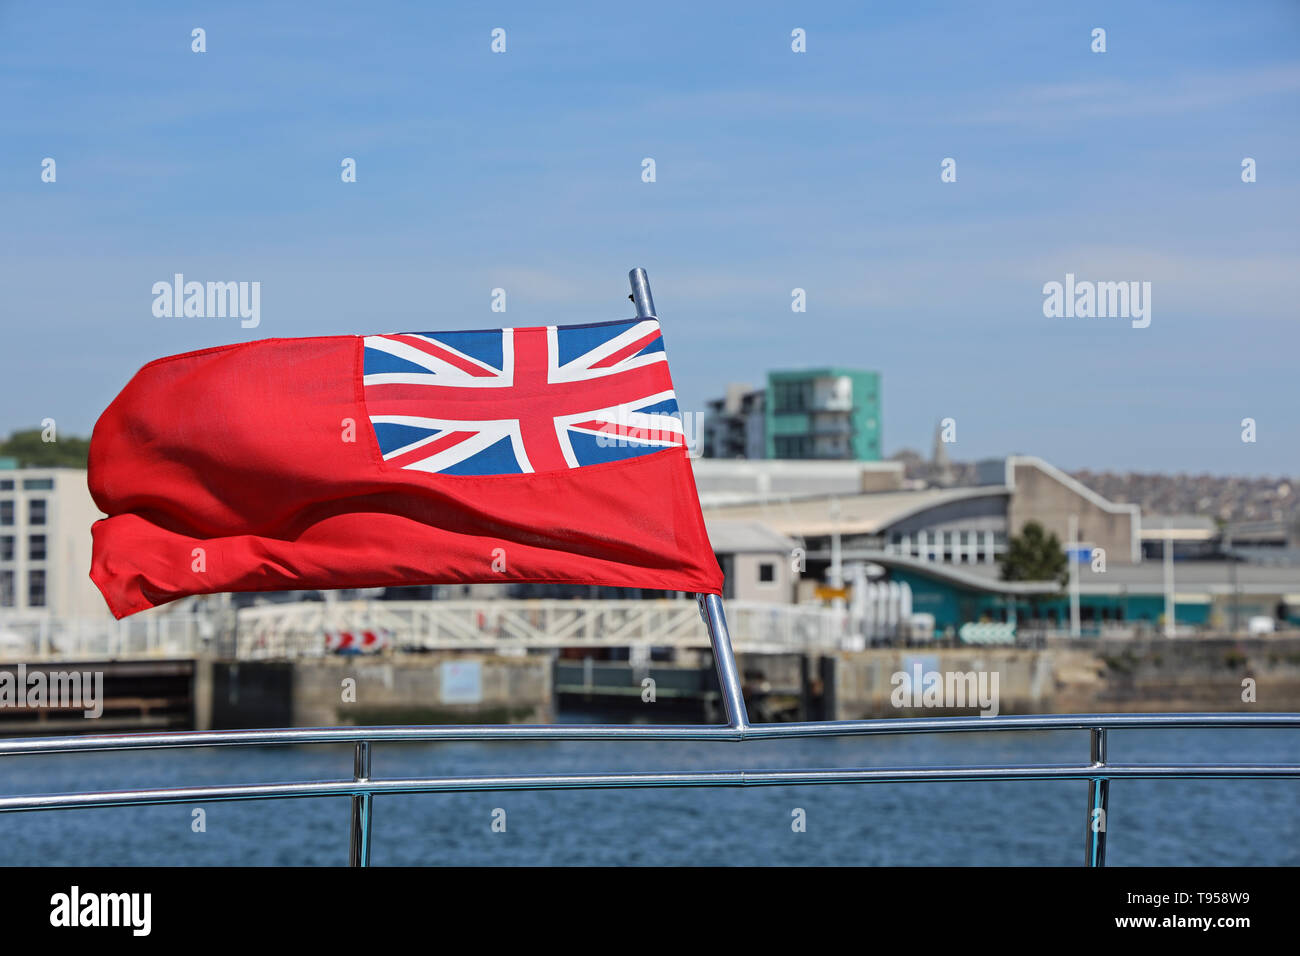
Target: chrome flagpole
(645, 303)
(724, 659)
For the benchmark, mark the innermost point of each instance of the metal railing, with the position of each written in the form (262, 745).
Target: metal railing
(298, 630)
(32, 638)
(287, 631)
(362, 787)
(295, 630)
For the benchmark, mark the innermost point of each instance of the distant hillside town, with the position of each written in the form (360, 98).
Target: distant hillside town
(1221, 498)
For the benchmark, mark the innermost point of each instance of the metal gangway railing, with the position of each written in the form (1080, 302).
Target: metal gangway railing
(42, 637)
(1097, 771)
(298, 629)
(290, 631)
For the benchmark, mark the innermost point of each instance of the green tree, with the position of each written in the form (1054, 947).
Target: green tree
(1035, 555)
(32, 450)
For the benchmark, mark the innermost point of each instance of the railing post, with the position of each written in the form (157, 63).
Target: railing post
(725, 660)
(359, 851)
(1098, 800)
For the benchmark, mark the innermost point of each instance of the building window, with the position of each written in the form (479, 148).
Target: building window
(6, 484)
(36, 589)
(38, 484)
(6, 589)
(767, 572)
(36, 511)
(791, 396)
(793, 446)
(36, 547)
(6, 547)
(7, 512)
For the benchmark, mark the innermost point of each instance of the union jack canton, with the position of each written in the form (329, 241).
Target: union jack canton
(512, 401)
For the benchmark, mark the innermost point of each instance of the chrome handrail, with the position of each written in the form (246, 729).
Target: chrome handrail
(362, 787)
(886, 726)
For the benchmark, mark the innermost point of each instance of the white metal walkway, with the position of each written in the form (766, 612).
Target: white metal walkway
(299, 629)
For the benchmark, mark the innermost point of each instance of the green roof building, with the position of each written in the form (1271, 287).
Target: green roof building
(825, 413)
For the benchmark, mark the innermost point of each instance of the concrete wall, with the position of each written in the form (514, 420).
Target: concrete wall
(1086, 676)
(1192, 675)
(1183, 675)
(1026, 679)
(420, 689)
(1041, 494)
(882, 479)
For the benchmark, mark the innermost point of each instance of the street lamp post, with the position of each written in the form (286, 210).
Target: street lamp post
(837, 566)
(1073, 555)
(1169, 581)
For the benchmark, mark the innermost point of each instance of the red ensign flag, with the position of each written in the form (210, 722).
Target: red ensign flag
(550, 454)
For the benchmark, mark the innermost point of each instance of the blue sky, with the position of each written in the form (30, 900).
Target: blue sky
(775, 170)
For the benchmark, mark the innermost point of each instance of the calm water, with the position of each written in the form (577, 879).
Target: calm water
(1151, 823)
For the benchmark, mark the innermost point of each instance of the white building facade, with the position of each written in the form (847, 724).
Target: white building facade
(45, 545)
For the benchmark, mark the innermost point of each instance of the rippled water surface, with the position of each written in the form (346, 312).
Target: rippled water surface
(1151, 822)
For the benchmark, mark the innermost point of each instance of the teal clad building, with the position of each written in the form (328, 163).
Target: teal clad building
(1205, 595)
(825, 413)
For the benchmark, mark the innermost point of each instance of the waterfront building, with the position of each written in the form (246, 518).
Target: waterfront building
(735, 425)
(825, 414)
(963, 525)
(45, 543)
(1208, 595)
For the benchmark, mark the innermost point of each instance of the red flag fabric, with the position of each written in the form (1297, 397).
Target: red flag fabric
(549, 454)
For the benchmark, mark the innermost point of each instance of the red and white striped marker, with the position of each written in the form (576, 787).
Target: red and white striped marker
(357, 642)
